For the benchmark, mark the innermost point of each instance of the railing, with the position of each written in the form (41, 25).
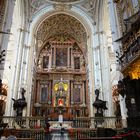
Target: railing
(132, 53)
(80, 122)
(79, 133)
(35, 134)
(24, 127)
(107, 122)
(94, 122)
(83, 122)
(94, 134)
(34, 127)
(24, 122)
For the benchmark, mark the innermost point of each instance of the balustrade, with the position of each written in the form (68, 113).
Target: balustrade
(39, 122)
(34, 127)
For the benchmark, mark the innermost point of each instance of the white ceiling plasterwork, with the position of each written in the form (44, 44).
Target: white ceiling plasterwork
(87, 6)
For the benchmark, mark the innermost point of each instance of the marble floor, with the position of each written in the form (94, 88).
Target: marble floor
(57, 136)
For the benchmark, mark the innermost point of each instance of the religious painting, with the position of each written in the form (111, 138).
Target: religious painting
(76, 94)
(45, 61)
(61, 57)
(76, 62)
(44, 94)
(60, 102)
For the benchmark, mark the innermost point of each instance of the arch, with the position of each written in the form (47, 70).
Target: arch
(49, 11)
(60, 26)
(85, 20)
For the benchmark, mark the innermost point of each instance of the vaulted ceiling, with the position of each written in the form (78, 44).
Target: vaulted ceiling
(61, 25)
(89, 6)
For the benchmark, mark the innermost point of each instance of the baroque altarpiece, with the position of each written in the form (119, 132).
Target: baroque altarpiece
(61, 82)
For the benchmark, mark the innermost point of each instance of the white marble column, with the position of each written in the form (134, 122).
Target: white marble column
(97, 67)
(27, 65)
(4, 38)
(106, 75)
(97, 64)
(90, 71)
(15, 41)
(123, 110)
(114, 24)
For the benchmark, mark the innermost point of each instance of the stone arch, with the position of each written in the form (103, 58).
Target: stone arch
(85, 20)
(64, 27)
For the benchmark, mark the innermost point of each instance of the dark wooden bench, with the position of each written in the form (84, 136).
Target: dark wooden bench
(102, 138)
(22, 134)
(25, 138)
